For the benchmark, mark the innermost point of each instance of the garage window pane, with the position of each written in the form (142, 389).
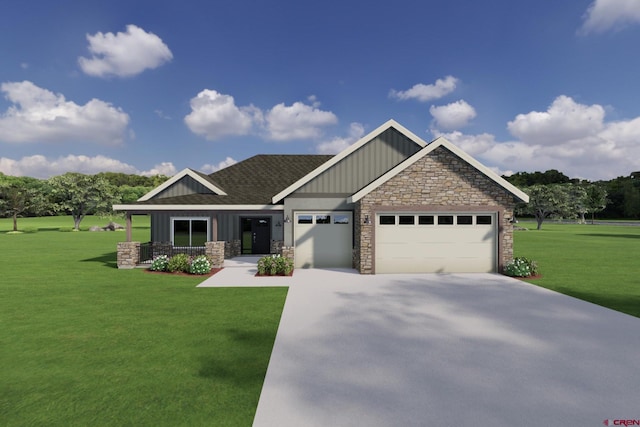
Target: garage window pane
(425, 220)
(465, 220)
(483, 219)
(341, 219)
(406, 220)
(305, 219)
(323, 219)
(387, 219)
(445, 219)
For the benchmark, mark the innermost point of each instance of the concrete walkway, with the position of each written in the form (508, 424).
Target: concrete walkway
(450, 350)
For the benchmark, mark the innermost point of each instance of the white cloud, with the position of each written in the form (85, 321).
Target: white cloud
(338, 144)
(424, 93)
(452, 116)
(564, 120)
(576, 141)
(299, 121)
(124, 54)
(214, 115)
(605, 15)
(208, 168)
(164, 168)
(39, 115)
(39, 166)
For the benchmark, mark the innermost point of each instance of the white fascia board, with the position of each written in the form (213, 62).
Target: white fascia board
(177, 177)
(198, 207)
(346, 152)
(440, 142)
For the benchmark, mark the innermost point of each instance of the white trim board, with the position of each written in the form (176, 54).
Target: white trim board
(198, 207)
(177, 177)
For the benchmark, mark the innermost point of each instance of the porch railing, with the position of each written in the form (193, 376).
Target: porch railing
(151, 250)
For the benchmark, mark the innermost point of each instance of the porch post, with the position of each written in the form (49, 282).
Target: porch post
(214, 227)
(128, 216)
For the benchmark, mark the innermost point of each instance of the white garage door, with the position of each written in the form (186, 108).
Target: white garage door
(323, 239)
(435, 243)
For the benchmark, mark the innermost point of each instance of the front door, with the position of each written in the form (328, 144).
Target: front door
(256, 235)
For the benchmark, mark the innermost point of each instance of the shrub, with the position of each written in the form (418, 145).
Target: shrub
(272, 265)
(521, 267)
(200, 265)
(30, 230)
(160, 263)
(179, 263)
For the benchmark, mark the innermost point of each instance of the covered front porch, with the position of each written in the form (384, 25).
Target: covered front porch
(219, 235)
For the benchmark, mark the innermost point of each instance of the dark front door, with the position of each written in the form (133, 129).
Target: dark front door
(256, 235)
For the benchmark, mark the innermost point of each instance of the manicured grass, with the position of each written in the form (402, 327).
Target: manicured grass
(83, 343)
(596, 263)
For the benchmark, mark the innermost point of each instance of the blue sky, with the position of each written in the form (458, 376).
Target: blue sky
(156, 86)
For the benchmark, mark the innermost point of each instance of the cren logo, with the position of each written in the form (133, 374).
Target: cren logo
(620, 422)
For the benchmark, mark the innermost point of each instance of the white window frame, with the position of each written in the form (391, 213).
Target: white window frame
(173, 219)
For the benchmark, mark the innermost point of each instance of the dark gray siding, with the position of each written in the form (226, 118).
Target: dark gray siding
(228, 223)
(364, 165)
(183, 187)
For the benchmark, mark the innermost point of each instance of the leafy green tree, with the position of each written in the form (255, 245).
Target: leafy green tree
(21, 196)
(129, 194)
(631, 204)
(547, 200)
(79, 195)
(595, 200)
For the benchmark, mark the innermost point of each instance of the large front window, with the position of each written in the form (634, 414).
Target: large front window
(189, 231)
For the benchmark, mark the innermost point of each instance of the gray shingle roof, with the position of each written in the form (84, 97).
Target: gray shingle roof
(253, 181)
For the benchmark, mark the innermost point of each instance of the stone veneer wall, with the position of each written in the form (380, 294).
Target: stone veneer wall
(128, 254)
(288, 252)
(276, 247)
(440, 181)
(232, 248)
(215, 252)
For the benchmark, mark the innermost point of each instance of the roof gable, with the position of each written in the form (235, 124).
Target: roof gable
(181, 176)
(391, 124)
(440, 142)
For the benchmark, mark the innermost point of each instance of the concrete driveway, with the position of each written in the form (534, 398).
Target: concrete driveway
(446, 350)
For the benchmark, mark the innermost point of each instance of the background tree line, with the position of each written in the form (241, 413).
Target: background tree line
(553, 194)
(72, 194)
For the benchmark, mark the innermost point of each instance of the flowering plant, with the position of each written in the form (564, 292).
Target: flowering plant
(200, 265)
(521, 267)
(160, 263)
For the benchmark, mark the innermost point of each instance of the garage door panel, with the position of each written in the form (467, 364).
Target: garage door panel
(324, 245)
(435, 248)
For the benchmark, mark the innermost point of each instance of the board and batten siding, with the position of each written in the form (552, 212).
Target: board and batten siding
(228, 223)
(363, 165)
(184, 187)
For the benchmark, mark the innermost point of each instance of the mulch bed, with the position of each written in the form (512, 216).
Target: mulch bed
(274, 275)
(180, 273)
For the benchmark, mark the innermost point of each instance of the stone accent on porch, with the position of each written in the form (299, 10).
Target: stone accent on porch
(276, 247)
(232, 248)
(215, 251)
(288, 252)
(128, 254)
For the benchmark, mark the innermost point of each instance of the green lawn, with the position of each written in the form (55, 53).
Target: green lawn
(596, 263)
(83, 343)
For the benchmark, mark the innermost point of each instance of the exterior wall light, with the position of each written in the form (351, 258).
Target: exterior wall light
(367, 220)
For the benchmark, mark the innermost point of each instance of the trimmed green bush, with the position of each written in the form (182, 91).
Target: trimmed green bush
(179, 263)
(521, 267)
(274, 265)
